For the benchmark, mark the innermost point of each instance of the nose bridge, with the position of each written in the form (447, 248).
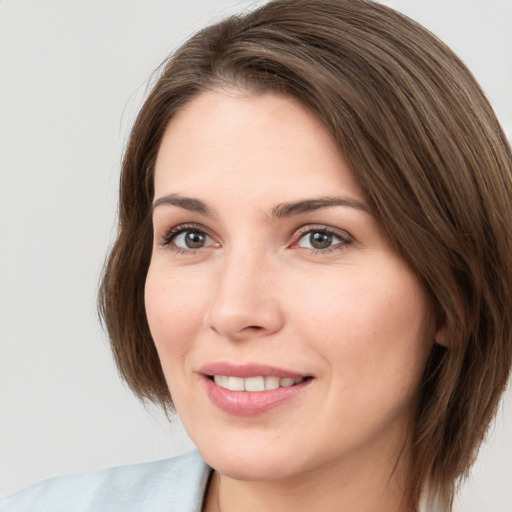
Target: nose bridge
(244, 302)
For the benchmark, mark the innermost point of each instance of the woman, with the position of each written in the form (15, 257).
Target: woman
(313, 261)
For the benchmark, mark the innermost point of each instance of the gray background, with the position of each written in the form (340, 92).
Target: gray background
(72, 75)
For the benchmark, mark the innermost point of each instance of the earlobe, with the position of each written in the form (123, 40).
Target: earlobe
(441, 337)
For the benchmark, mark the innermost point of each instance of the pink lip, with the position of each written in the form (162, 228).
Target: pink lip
(244, 403)
(248, 370)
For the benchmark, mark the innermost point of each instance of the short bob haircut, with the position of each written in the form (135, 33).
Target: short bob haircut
(424, 143)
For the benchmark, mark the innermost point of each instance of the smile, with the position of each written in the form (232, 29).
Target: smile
(255, 384)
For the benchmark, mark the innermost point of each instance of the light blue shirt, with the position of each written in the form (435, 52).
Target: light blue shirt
(171, 485)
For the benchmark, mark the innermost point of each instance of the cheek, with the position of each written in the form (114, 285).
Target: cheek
(370, 326)
(174, 313)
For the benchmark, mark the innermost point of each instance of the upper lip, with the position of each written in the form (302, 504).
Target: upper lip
(248, 370)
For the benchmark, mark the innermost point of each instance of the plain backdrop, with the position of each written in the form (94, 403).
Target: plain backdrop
(72, 75)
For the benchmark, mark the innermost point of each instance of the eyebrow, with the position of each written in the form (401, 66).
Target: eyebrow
(278, 212)
(187, 203)
(311, 205)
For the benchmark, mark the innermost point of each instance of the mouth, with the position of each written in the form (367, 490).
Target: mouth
(252, 389)
(255, 384)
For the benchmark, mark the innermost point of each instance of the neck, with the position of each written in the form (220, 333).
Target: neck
(374, 486)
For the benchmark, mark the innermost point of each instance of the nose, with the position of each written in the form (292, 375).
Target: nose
(245, 303)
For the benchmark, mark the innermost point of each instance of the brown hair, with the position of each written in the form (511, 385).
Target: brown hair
(424, 143)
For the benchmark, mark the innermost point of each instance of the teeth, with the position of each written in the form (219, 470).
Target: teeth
(254, 383)
(221, 381)
(235, 384)
(271, 382)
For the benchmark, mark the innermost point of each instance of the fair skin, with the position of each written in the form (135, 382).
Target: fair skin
(268, 263)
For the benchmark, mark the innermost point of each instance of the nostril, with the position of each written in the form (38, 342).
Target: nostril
(241, 318)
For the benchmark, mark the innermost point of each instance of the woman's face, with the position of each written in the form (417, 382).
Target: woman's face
(269, 273)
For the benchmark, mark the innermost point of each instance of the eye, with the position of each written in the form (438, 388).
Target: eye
(322, 239)
(187, 238)
(190, 240)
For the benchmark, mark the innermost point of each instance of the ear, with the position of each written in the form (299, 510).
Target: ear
(441, 337)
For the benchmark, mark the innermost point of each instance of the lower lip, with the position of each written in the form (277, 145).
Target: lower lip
(251, 403)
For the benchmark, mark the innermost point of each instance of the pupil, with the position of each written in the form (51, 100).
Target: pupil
(320, 240)
(194, 240)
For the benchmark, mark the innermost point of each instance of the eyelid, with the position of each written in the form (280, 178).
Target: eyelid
(170, 234)
(345, 237)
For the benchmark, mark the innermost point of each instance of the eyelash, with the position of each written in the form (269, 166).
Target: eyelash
(167, 239)
(343, 236)
(345, 239)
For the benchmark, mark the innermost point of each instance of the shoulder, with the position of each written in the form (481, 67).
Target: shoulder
(176, 484)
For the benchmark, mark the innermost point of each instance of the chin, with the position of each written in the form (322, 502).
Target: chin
(252, 463)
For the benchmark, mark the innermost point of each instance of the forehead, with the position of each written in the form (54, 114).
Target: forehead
(252, 144)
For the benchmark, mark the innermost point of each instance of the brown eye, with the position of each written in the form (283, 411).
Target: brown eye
(322, 240)
(191, 239)
(194, 240)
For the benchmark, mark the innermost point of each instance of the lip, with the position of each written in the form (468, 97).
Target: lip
(244, 403)
(248, 370)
